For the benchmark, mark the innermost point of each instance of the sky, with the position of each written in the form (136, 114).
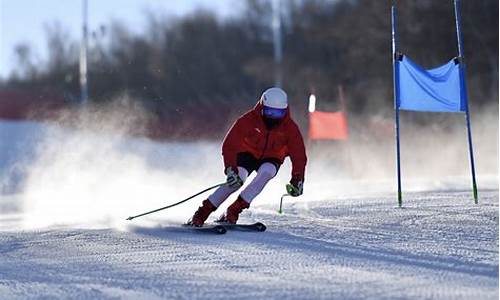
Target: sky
(23, 21)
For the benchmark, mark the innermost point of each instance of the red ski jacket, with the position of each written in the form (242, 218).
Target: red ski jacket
(250, 134)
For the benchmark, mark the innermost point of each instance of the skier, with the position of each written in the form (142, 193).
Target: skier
(258, 141)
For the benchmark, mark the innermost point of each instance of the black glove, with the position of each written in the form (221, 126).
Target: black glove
(232, 179)
(295, 188)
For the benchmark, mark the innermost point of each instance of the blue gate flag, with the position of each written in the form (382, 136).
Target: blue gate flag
(436, 90)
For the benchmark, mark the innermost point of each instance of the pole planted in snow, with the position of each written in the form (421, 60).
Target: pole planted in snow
(463, 94)
(395, 62)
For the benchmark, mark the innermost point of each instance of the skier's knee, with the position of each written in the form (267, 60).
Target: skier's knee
(242, 173)
(267, 170)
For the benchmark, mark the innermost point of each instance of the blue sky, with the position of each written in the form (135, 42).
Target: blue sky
(23, 21)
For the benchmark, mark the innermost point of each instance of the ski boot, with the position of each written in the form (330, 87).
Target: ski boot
(233, 211)
(201, 215)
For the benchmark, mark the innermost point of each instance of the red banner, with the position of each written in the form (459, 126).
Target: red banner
(328, 126)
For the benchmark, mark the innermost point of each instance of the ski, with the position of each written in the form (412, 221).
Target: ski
(245, 227)
(219, 229)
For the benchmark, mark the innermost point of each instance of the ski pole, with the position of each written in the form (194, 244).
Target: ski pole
(175, 204)
(281, 203)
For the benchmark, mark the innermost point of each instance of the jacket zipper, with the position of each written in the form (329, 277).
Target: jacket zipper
(265, 145)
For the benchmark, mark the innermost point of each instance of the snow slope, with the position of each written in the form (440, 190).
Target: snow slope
(440, 246)
(63, 232)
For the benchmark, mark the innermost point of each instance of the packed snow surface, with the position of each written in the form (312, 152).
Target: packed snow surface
(63, 232)
(440, 246)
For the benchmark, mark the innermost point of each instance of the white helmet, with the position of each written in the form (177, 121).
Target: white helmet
(274, 97)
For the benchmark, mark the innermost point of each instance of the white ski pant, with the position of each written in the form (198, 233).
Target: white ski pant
(265, 173)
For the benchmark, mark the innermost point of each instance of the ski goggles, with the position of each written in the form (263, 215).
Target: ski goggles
(273, 113)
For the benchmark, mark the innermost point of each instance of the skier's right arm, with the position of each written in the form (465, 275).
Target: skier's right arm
(232, 144)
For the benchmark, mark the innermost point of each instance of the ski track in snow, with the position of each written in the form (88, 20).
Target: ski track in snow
(439, 246)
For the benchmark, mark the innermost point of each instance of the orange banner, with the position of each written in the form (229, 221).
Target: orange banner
(328, 126)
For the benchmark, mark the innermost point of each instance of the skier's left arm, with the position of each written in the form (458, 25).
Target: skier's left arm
(298, 157)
